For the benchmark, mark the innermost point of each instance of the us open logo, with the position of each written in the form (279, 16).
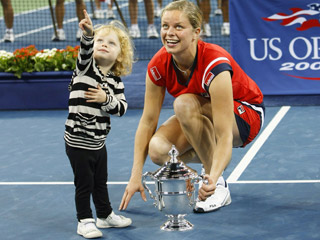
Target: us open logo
(299, 17)
(301, 52)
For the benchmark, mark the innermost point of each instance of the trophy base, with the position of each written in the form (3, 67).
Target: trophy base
(176, 223)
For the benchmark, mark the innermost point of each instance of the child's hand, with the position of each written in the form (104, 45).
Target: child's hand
(96, 95)
(86, 24)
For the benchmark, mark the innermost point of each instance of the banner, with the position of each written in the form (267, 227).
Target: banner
(277, 43)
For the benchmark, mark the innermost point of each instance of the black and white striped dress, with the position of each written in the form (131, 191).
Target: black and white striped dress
(88, 124)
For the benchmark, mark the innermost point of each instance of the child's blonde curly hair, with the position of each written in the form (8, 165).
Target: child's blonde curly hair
(123, 67)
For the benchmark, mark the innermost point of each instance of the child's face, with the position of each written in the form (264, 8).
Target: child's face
(106, 47)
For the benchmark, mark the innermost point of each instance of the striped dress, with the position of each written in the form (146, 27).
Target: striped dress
(88, 124)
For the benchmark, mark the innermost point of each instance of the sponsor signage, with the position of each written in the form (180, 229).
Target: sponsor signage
(277, 43)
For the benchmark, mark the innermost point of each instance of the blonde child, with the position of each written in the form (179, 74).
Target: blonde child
(96, 91)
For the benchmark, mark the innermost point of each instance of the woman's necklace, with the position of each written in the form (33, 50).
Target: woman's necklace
(185, 72)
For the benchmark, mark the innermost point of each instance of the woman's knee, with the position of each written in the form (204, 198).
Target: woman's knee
(186, 107)
(183, 105)
(158, 150)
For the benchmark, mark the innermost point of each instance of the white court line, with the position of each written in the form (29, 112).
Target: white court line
(60, 183)
(35, 183)
(276, 181)
(150, 182)
(245, 161)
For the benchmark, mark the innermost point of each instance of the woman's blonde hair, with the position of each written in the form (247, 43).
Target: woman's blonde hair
(123, 67)
(191, 10)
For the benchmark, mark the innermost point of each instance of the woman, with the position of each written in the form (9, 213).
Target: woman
(217, 106)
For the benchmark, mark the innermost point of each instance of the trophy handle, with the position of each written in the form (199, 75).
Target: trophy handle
(190, 192)
(205, 181)
(197, 179)
(144, 177)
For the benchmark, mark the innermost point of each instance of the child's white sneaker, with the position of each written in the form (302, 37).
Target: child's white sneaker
(113, 220)
(87, 228)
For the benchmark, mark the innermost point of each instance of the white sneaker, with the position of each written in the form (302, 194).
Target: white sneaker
(110, 14)
(134, 31)
(113, 220)
(225, 29)
(9, 36)
(152, 32)
(220, 198)
(206, 30)
(87, 228)
(218, 11)
(157, 12)
(79, 34)
(99, 14)
(61, 36)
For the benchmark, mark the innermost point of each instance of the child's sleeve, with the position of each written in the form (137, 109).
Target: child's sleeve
(116, 103)
(85, 56)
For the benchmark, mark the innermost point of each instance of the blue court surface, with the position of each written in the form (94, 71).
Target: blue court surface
(274, 181)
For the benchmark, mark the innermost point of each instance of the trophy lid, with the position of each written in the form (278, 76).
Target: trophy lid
(174, 169)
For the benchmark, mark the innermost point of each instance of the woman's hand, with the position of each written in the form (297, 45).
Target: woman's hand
(207, 189)
(133, 186)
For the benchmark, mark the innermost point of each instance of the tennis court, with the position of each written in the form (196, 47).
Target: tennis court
(274, 182)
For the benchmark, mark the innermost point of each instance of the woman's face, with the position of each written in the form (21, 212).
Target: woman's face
(177, 33)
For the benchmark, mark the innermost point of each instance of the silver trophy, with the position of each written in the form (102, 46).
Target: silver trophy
(174, 191)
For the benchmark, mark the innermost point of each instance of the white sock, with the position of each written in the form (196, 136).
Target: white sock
(226, 24)
(134, 26)
(221, 181)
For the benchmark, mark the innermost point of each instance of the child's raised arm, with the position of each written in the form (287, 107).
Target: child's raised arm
(86, 24)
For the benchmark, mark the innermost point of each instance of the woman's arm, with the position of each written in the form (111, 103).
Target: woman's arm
(223, 118)
(154, 96)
